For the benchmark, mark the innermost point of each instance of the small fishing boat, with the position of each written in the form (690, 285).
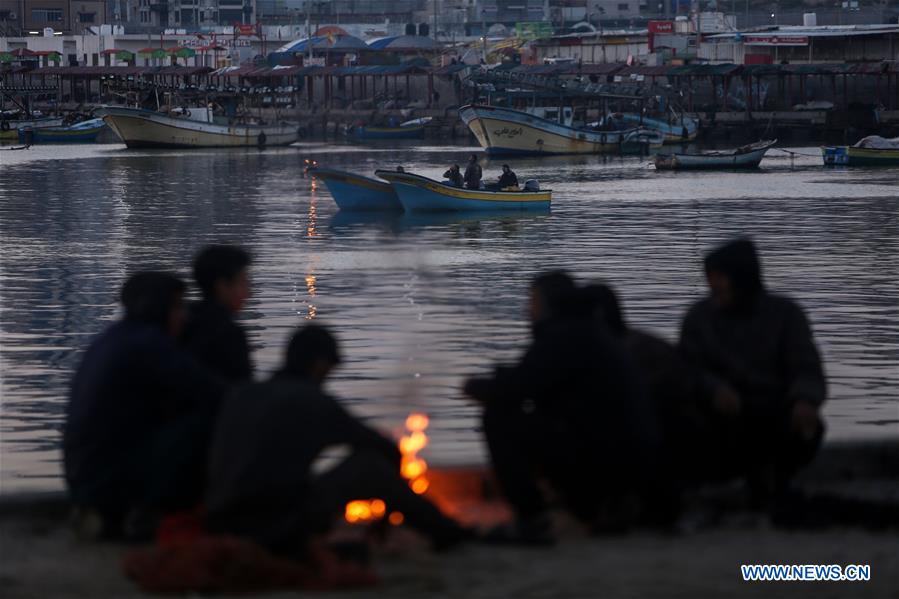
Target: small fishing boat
(420, 194)
(678, 129)
(642, 140)
(83, 132)
(748, 156)
(414, 129)
(355, 192)
(195, 127)
(9, 128)
(503, 131)
(870, 151)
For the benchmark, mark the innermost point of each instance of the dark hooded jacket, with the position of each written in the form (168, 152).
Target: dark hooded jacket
(218, 342)
(132, 383)
(762, 345)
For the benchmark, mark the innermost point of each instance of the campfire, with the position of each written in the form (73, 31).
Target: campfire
(412, 468)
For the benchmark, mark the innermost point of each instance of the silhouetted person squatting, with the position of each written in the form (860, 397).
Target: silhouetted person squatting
(473, 173)
(260, 481)
(571, 411)
(762, 375)
(212, 335)
(139, 413)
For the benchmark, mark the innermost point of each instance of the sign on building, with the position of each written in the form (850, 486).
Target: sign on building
(533, 31)
(775, 40)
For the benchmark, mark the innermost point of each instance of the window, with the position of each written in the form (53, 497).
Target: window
(46, 15)
(624, 7)
(86, 17)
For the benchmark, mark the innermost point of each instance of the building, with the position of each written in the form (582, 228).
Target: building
(189, 14)
(17, 17)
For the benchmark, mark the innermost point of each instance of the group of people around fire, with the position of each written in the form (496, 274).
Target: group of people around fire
(165, 415)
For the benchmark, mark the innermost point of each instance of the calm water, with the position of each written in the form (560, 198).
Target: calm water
(421, 302)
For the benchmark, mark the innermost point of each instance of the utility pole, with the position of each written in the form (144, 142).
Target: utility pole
(484, 33)
(435, 19)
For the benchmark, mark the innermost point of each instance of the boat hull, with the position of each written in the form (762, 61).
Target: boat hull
(420, 194)
(58, 135)
(10, 132)
(747, 160)
(852, 156)
(502, 131)
(367, 133)
(354, 192)
(148, 129)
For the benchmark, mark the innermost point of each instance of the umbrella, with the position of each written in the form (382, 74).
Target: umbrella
(24, 53)
(152, 52)
(181, 52)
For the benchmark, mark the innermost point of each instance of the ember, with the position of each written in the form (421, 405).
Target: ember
(412, 468)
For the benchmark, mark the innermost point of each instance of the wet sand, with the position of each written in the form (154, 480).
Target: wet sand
(42, 559)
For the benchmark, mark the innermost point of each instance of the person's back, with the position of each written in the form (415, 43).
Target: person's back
(212, 335)
(762, 375)
(132, 396)
(260, 483)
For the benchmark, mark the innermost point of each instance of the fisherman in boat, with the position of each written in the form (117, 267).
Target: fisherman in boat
(473, 173)
(572, 412)
(762, 376)
(261, 483)
(507, 180)
(212, 335)
(138, 418)
(454, 176)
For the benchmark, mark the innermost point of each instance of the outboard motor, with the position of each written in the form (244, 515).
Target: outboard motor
(532, 185)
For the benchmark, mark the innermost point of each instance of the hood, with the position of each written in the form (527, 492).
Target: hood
(738, 260)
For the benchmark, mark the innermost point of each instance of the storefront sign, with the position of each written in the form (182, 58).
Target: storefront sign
(775, 40)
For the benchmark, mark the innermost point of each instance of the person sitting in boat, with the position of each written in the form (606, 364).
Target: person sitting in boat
(473, 173)
(508, 179)
(454, 176)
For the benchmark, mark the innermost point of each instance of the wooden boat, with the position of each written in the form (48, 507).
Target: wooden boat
(193, 128)
(743, 157)
(83, 132)
(503, 131)
(9, 128)
(420, 194)
(870, 151)
(414, 129)
(355, 192)
(679, 129)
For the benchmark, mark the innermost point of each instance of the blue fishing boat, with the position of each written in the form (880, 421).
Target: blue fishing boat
(420, 194)
(83, 132)
(414, 129)
(677, 129)
(355, 192)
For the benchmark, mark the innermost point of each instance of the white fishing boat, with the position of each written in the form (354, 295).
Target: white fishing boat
(192, 128)
(676, 129)
(503, 131)
(748, 156)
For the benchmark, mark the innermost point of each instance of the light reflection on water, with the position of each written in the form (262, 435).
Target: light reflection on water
(421, 301)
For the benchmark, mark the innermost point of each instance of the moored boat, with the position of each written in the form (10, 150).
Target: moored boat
(414, 129)
(642, 140)
(679, 129)
(83, 132)
(503, 131)
(355, 192)
(9, 127)
(193, 128)
(421, 194)
(748, 156)
(870, 151)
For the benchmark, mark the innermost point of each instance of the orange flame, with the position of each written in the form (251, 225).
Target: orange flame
(412, 468)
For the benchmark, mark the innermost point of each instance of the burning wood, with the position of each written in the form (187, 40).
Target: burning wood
(412, 468)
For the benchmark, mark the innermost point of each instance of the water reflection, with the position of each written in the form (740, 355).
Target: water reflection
(421, 301)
